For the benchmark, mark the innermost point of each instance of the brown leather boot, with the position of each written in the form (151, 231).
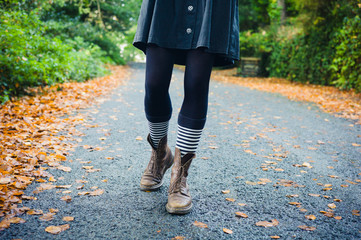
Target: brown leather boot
(179, 199)
(160, 161)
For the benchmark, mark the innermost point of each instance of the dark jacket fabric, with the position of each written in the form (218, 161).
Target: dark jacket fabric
(191, 24)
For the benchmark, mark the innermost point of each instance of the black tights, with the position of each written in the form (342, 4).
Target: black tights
(159, 67)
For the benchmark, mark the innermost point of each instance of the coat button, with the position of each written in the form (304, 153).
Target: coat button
(189, 30)
(190, 8)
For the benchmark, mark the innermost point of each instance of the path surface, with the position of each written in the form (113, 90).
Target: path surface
(251, 141)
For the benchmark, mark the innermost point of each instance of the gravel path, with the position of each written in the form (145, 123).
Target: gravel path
(266, 150)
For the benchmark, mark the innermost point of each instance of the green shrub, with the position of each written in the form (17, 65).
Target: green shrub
(346, 64)
(302, 58)
(30, 58)
(69, 28)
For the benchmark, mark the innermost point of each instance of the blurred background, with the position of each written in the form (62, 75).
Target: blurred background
(43, 42)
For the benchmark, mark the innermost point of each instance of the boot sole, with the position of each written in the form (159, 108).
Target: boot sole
(151, 188)
(179, 211)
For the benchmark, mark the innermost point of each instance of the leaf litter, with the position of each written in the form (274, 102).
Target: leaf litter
(30, 138)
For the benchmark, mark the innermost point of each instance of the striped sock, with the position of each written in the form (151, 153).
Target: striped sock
(157, 132)
(188, 139)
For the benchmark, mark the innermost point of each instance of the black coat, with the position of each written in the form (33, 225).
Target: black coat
(190, 24)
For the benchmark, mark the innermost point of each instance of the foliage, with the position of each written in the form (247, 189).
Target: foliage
(30, 58)
(296, 59)
(325, 49)
(44, 42)
(346, 64)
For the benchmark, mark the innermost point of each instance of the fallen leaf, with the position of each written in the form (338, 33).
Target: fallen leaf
(16, 220)
(179, 238)
(87, 167)
(242, 204)
(351, 182)
(97, 192)
(63, 168)
(331, 205)
(327, 214)
(273, 223)
(68, 218)
(228, 231)
(66, 198)
(356, 212)
(338, 217)
(57, 229)
(292, 195)
(139, 138)
(63, 186)
(93, 170)
(83, 193)
(230, 199)
(251, 183)
(47, 216)
(5, 180)
(275, 237)
(226, 191)
(314, 195)
(310, 217)
(294, 203)
(200, 224)
(34, 212)
(307, 228)
(241, 214)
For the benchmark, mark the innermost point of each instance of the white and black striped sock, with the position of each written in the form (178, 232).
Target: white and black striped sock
(188, 139)
(157, 131)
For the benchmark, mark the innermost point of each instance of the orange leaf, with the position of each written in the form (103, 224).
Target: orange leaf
(228, 231)
(310, 217)
(241, 214)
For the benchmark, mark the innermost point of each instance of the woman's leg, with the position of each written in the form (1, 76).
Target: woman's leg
(158, 107)
(191, 120)
(192, 116)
